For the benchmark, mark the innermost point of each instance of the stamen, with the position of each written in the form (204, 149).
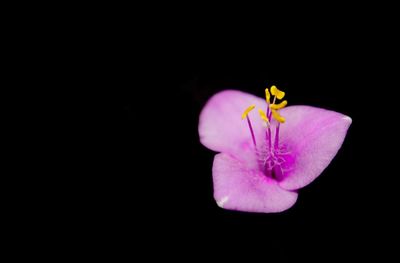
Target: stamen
(263, 116)
(278, 117)
(251, 131)
(278, 93)
(269, 112)
(245, 115)
(267, 96)
(279, 106)
(268, 132)
(250, 108)
(268, 100)
(277, 136)
(270, 154)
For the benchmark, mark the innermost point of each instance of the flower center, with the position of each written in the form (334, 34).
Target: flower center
(271, 155)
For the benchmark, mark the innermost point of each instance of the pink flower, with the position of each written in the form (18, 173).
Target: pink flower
(264, 159)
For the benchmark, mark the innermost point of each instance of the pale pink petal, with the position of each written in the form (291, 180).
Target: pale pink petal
(221, 127)
(236, 187)
(313, 136)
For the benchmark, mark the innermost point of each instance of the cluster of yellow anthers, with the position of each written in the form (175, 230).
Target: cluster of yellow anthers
(278, 94)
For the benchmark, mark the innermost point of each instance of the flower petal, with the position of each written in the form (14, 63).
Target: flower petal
(314, 136)
(236, 187)
(221, 127)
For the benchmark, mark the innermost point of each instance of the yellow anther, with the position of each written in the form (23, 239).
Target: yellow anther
(263, 116)
(250, 108)
(279, 106)
(277, 117)
(267, 96)
(278, 93)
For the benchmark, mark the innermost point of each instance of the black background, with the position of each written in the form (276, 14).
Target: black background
(338, 216)
(144, 180)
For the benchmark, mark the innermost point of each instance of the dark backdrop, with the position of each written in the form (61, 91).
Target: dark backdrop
(171, 192)
(152, 185)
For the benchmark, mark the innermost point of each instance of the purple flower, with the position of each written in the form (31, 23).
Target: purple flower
(263, 160)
